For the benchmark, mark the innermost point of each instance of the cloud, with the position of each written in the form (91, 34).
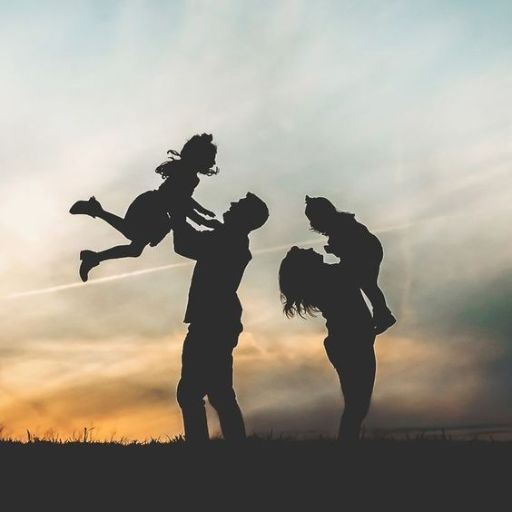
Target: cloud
(396, 112)
(288, 384)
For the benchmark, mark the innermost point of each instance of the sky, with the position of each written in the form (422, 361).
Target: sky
(398, 111)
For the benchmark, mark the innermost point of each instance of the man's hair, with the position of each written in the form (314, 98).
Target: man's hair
(255, 212)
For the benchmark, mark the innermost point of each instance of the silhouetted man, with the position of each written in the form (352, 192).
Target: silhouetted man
(214, 313)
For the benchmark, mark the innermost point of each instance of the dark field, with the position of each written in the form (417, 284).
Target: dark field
(260, 474)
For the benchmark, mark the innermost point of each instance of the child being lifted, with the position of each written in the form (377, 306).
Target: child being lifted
(149, 218)
(358, 249)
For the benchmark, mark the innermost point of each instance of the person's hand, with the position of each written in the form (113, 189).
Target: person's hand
(208, 213)
(203, 211)
(212, 223)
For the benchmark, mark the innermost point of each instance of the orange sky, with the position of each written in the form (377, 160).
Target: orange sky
(398, 113)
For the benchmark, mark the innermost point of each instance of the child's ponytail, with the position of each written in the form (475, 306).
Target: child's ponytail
(165, 169)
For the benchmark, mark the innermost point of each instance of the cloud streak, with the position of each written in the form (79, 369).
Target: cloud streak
(398, 112)
(135, 273)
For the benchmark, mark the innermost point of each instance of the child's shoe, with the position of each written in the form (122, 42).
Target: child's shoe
(89, 260)
(90, 207)
(383, 321)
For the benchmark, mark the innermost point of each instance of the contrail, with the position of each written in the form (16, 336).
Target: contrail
(69, 286)
(101, 280)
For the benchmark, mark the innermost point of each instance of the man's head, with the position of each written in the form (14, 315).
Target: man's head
(247, 214)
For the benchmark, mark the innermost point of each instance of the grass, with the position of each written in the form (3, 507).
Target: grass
(314, 474)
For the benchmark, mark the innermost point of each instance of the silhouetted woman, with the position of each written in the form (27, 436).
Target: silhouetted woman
(308, 285)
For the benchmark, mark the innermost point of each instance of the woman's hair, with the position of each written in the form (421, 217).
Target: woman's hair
(297, 284)
(197, 151)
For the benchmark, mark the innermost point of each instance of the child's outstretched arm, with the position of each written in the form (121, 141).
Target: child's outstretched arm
(195, 213)
(194, 205)
(202, 221)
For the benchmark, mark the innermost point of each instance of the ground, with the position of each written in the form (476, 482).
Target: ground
(261, 474)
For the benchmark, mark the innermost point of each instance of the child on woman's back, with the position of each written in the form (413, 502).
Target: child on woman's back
(361, 250)
(149, 218)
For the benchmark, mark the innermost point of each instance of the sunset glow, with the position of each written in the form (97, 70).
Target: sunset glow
(406, 122)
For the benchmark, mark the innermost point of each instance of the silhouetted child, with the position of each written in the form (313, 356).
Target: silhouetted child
(149, 218)
(357, 247)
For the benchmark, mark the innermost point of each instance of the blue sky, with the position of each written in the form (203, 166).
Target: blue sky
(399, 112)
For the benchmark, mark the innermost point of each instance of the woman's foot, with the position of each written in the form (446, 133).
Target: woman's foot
(89, 260)
(90, 207)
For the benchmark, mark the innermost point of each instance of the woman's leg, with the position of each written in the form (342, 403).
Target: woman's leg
(356, 371)
(357, 377)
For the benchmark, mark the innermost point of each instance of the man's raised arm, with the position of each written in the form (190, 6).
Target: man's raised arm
(188, 241)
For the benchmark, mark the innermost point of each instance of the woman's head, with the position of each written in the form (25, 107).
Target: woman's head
(198, 153)
(298, 281)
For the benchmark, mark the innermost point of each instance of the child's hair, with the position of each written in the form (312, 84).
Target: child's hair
(196, 150)
(323, 215)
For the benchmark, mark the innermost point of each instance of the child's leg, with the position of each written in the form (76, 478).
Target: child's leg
(369, 285)
(93, 208)
(132, 250)
(91, 259)
(117, 223)
(382, 315)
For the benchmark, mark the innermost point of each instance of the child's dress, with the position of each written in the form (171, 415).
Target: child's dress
(148, 218)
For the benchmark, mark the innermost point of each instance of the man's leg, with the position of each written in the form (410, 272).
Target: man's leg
(191, 390)
(221, 394)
